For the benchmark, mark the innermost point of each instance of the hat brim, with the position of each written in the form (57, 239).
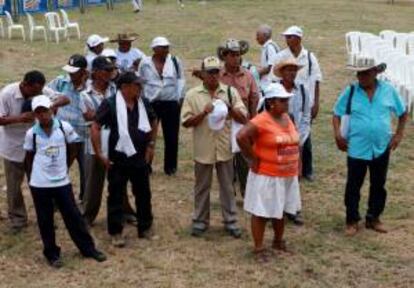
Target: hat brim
(286, 96)
(129, 39)
(278, 69)
(291, 34)
(70, 69)
(380, 68)
(244, 48)
(162, 44)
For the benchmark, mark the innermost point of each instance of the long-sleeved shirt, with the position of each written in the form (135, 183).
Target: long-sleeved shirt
(300, 111)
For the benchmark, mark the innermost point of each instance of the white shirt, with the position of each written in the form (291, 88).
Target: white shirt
(303, 74)
(12, 135)
(268, 58)
(49, 163)
(169, 87)
(90, 56)
(125, 61)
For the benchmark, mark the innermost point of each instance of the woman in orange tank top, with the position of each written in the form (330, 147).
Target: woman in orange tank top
(271, 142)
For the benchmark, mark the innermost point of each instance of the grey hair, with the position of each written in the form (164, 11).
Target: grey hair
(266, 30)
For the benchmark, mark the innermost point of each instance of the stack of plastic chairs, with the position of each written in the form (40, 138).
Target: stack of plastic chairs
(401, 42)
(54, 26)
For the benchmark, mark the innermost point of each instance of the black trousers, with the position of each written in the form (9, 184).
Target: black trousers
(307, 165)
(357, 170)
(44, 199)
(118, 177)
(168, 112)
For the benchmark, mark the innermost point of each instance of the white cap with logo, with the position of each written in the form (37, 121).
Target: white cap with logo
(41, 101)
(94, 40)
(293, 30)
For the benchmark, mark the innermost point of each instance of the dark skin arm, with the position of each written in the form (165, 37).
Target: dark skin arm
(26, 117)
(341, 143)
(315, 108)
(149, 152)
(96, 143)
(245, 139)
(264, 71)
(28, 163)
(197, 119)
(397, 137)
(73, 150)
(237, 115)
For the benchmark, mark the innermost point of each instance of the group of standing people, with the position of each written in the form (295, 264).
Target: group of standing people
(250, 124)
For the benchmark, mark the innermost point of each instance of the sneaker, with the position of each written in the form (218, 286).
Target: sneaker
(296, 219)
(130, 219)
(118, 241)
(234, 232)
(146, 234)
(197, 232)
(310, 177)
(55, 263)
(351, 229)
(376, 225)
(98, 256)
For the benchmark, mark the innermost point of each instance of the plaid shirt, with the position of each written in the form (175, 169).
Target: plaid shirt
(73, 112)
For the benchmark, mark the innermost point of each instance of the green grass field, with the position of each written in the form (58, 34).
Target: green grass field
(323, 257)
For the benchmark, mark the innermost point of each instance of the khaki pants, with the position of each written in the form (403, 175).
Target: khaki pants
(203, 180)
(14, 172)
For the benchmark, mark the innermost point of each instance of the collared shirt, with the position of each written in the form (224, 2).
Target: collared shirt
(12, 136)
(90, 56)
(49, 164)
(245, 85)
(300, 111)
(210, 146)
(73, 112)
(166, 87)
(370, 121)
(268, 58)
(93, 99)
(125, 60)
(106, 116)
(303, 76)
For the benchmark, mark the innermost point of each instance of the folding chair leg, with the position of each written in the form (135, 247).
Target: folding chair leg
(9, 32)
(23, 35)
(78, 30)
(44, 34)
(31, 35)
(57, 37)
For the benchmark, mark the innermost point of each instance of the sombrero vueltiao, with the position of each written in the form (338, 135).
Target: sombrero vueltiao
(241, 46)
(125, 37)
(288, 62)
(361, 63)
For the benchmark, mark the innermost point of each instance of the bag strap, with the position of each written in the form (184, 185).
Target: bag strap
(310, 63)
(229, 96)
(302, 91)
(349, 103)
(34, 142)
(176, 66)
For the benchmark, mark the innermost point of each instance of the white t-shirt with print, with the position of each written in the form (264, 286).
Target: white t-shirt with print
(49, 163)
(124, 61)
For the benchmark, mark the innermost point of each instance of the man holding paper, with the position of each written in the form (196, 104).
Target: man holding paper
(368, 139)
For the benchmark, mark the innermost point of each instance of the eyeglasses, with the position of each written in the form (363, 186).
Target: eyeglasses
(213, 72)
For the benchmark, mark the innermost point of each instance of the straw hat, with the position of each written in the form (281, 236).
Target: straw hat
(125, 37)
(277, 70)
(363, 63)
(234, 45)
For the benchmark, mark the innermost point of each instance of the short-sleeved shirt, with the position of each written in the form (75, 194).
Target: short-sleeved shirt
(303, 76)
(210, 146)
(268, 58)
(166, 87)
(245, 85)
(73, 112)
(90, 56)
(106, 116)
(12, 136)
(125, 60)
(49, 163)
(370, 121)
(276, 146)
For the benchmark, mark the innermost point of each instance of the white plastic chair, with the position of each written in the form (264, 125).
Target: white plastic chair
(1, 28)
(54, 26)
(33, 27)
(352, 42)
(401, 42)
(69, 25)
(365, 43)
(410, 45)
(389, 36)
(12, 26)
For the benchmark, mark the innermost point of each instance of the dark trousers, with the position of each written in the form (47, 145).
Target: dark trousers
(118, 177)
(357, 170)
(168, 112)
(241, 167)
(307, 165)
(44, 199)
(80, 158)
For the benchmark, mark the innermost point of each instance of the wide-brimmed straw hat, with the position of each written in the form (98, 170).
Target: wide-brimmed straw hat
(363, 63)
(277, 70)
(234, 45)
(125, 37)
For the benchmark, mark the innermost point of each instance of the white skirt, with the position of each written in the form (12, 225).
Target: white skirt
(269, 197)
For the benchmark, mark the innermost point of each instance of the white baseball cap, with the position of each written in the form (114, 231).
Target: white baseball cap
(217, 117)
(293, 30)
(41, 101)
(276, 90)
(94, 40)
(109, 53)
(160, 41)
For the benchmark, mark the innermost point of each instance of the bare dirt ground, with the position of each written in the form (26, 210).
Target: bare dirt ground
(323, 256)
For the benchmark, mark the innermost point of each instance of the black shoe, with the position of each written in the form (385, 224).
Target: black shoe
(97, 255)
(55, 262)
(310, 177)
(234, 232)
(170, 172)
(197, 232)
(296, 219)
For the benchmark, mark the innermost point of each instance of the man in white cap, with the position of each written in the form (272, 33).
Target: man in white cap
(268, 55)
(164, 82)
(95, 46)
(16, 117)
(202, 111)
(367, 106)
(71, 85)
(49, 146)
(311, 77)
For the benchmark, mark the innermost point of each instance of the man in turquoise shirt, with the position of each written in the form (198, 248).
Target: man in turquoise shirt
(370, 104)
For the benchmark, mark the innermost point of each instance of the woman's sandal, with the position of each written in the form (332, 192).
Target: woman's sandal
(261, 256)
(281, 246)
